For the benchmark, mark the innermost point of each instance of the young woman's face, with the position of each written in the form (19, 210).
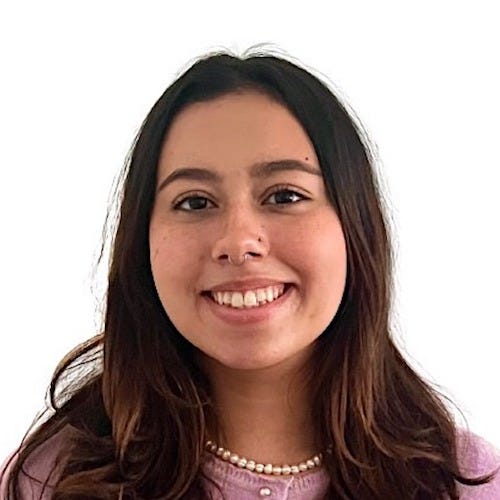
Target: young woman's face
(280, 218)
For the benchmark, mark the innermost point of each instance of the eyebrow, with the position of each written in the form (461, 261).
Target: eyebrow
(257, 170)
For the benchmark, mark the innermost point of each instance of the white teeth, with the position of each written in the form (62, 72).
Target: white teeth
(237, 300)
(250, 298)
(261, 295)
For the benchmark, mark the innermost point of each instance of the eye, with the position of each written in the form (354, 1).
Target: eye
(196, 203)
(284, 193)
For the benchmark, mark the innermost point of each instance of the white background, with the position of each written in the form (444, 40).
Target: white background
(77, 80)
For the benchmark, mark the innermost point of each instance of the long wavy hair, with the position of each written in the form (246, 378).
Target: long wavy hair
(134, 405)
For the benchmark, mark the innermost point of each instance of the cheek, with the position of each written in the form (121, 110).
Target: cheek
(317, 253)
(316, 245)
(171, 264)
(172, 246)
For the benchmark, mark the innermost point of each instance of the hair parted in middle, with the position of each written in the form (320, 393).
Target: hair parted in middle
(145, 407)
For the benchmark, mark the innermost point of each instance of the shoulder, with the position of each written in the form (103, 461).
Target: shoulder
(39, 468)
(477, 456)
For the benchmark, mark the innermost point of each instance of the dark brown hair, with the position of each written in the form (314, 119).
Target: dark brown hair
(133, 401)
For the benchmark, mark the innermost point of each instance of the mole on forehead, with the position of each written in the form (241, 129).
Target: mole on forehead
(257, 170)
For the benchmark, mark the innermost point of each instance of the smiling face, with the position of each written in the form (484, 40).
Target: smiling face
(245, 200)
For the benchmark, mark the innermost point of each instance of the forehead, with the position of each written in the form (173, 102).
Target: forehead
(235, 129)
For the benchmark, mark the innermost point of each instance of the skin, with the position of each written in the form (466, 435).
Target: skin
(263, 409)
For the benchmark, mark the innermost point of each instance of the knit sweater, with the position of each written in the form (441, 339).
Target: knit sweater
(476, 457)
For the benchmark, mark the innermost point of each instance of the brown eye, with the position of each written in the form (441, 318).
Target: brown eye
(285, 196)
(194, 203)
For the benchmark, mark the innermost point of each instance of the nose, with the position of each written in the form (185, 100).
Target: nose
(242, 235)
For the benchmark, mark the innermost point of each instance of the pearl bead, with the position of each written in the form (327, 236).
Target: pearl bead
(252, 466)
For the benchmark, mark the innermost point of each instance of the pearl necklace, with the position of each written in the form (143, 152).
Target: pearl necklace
(251, 465)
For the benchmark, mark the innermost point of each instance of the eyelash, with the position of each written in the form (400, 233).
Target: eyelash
(277, 189)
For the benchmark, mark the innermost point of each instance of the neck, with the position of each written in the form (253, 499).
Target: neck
(263, 414)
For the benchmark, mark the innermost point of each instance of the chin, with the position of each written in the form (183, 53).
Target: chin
(249, 364)
(248, 361)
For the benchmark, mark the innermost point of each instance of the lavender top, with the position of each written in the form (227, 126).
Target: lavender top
(476, 455)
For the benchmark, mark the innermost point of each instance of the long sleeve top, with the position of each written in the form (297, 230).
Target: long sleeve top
(476, 457)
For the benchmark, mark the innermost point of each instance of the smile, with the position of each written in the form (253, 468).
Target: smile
(249, 298)
(262, 310)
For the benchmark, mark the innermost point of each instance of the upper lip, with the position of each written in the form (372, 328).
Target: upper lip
(244, 284)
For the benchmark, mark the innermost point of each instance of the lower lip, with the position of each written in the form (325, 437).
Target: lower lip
(245, 315)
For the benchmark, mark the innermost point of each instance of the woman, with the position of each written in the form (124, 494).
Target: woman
(247, 350)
